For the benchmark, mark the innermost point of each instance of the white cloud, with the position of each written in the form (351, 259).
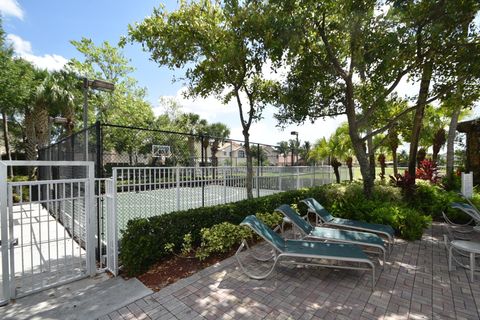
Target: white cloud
(266, 130)
(263, 131)
(47, 61)
(23, 48)
(11, 8)
(209, 108)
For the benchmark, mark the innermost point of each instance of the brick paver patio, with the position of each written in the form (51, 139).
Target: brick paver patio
(415, 284)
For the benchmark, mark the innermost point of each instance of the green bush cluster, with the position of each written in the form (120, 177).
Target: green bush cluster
(146, 241)
(221, 238)
(386, 206)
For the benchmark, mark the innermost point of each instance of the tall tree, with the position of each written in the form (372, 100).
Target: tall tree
(219, 132)
(345, 58)
(393, 141)
(6, 86)
(126, 105)
(330, 149)
(294, 146)
(455, 107)
(282, 149)
(214, 41)
(440, 41)
(304, 151)
(190, 123)
(439, 140)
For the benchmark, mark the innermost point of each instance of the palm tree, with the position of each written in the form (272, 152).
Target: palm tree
(189, 123)
(282, 148)
(381, 146)
(305, 150)
(439, 140)
(219, 133)
(345, 148)
(57, 94)
(203, 129)
(65, 97)
(293, 145)
(328, 149)
(30, 139)
(393, 141)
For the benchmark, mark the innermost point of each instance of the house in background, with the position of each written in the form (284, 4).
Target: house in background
(233, 153)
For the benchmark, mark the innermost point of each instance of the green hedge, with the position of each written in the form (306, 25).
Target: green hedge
(145, 241)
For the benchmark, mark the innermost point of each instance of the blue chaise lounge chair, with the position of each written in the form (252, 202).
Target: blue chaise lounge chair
(300, 250)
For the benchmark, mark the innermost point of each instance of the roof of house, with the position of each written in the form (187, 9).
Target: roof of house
(470, 125)
(226, 146)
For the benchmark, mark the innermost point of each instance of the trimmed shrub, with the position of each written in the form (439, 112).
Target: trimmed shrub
(407, 222)
(145, 240)
(221, 238)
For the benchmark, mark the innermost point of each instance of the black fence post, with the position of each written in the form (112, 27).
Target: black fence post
(99, 149)
(72, 142)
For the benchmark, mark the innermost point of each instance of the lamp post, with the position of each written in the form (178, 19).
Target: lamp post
(51, 121)
(295, 133)
(98, 85)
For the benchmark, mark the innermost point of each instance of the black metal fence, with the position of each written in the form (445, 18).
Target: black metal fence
(120, 146)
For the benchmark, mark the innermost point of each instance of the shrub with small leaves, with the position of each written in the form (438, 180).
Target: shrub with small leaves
(270, 219)
(169, 247)
(187, 244)
(221, 238)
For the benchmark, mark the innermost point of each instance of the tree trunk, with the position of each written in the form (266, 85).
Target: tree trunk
(438, 142)
(6, 139)
(336, 164)
(191, 150)
(395, 161)
(350, 168)
(371, 154)
(337, 173)
(30, 140)
(249, 182)
(452, 130)
(418, 118)
(357, 142)
(214, 150)
(41, 125)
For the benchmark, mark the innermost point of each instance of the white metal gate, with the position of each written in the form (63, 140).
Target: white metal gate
(112, 234)
(49, 226)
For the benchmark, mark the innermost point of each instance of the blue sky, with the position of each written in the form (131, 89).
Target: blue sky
(41, 30)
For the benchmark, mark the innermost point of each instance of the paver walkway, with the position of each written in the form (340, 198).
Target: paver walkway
(415, 284)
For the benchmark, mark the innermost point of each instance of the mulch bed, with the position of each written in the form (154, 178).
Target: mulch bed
(168, 271)
(175, 268)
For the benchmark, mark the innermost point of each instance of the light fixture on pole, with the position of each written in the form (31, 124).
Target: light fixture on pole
(51, 121)
(97, 85)
(295, 133)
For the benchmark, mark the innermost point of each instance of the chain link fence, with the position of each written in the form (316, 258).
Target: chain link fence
(112, 146)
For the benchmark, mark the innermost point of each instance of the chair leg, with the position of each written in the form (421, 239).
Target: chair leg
(253, 276)
(472, 265)
(450, 258)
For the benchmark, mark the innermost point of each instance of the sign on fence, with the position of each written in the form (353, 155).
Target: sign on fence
(467, 184)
